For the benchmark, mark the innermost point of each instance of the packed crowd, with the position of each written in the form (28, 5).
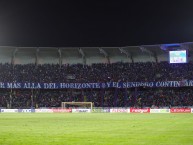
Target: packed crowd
(112, 97)
(149, 71)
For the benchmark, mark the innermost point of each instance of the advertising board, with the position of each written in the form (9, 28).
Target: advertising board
(9, 110)
(159, 110)
(137, 110)
(26, 110)
(81, 110)
(43, 110)
(61, 110)
(120, 110)
(180, 110)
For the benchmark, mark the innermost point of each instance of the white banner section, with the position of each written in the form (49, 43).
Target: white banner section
(159, 110)
(119, 110)
(81, 110)
(9, 110)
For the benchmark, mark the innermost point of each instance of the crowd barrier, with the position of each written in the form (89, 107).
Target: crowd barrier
(99, 110)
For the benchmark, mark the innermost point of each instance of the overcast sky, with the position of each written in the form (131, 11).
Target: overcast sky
(95, 23)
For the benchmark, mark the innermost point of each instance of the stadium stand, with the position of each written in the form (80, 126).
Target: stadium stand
(89, 65)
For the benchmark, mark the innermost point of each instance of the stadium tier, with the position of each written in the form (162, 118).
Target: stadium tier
(157, 76)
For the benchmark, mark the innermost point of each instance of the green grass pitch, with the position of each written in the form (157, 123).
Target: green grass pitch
(96, 128)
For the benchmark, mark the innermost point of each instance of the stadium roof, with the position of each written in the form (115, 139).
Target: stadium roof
(90, 55)
(127, 50)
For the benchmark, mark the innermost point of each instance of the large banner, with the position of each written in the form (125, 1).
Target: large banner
(180, 110)
(95, 85)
